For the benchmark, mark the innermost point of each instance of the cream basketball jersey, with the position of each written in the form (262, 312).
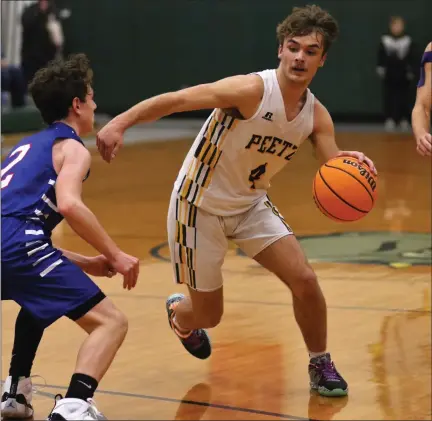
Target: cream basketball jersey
(231, 162)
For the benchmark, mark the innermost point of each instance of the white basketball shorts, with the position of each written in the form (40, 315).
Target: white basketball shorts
(198, 240)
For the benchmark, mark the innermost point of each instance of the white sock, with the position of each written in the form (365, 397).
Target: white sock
(316, 354)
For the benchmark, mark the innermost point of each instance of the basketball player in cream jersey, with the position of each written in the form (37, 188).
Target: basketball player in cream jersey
(258, 123)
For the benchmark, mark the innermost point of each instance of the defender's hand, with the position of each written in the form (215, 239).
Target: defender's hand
(100, 266)
(128, 266)
(424, 144)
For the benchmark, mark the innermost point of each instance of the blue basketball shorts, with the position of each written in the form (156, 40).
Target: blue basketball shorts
(40, 279)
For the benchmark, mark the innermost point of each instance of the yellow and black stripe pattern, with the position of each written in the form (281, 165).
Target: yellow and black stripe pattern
(206, 157)
(274, 209)
(185, 242)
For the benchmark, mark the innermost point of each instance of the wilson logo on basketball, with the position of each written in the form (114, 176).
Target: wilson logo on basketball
(363, 172)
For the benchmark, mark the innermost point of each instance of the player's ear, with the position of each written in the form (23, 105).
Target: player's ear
(76, 104)
(323, 59)
(280, 48)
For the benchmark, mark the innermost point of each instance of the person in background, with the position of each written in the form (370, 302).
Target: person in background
(12, 81)
(42, 37)
(395, 64)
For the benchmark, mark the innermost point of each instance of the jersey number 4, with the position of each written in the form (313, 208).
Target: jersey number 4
(256, 174)
(21, 152)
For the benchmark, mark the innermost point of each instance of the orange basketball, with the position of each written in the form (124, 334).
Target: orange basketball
(345, 190)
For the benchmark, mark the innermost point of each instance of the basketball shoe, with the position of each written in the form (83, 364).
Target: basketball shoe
(196, 342)
(325, 379)
(74, 409)
(16, 398)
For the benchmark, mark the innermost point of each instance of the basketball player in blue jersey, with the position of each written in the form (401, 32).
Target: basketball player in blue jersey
(258, 123)
(421, 114)
(41, 183)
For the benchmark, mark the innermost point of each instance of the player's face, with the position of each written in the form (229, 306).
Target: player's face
(87, 112)
(301, 56)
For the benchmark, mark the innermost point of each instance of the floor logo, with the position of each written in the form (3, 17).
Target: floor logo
(390, 248)
(396, 249)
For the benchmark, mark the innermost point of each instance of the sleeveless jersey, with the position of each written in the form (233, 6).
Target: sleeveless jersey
(231, 162)
(27, 184)
(426, 58)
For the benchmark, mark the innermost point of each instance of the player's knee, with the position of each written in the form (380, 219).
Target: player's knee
(116, 321)
(119, 323)
(305, 285)
(210, 320)
(209, 316)
(208, 307)
(105, 315)
(213, 319)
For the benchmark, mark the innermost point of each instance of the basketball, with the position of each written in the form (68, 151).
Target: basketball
(345, 190)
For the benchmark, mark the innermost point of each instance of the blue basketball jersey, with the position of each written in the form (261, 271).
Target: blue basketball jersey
(427, 58)
(27, 186)
(34, 273)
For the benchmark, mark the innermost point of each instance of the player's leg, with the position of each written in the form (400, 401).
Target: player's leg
(265, 236)
(17, 389)
(388, 106)
(405, 109)
(393, 102)
(197, 247)
(106, 327)
(49, 286)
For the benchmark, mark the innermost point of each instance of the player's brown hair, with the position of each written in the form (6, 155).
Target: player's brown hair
(54, 87)
(305, 20)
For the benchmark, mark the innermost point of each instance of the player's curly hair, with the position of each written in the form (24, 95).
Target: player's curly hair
(305, 20)
(54, 87)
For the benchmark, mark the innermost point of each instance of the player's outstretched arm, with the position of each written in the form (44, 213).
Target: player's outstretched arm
(232, 92)
(74, 167)
(421, 112)
(323, 138)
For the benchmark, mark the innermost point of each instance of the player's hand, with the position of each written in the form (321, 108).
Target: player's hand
(109, 140)
(361, 157)
(128, 266)
(424, 144)
(100, 266)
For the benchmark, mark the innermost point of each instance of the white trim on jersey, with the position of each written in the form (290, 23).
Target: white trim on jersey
(50, 267)
(43, 258)
(34, 232)
(30, 243)
(42, 247)
(49, 203)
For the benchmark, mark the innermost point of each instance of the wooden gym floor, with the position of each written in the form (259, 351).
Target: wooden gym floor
(379, 313)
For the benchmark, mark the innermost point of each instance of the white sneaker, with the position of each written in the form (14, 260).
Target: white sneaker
(16, 399)
(404, 125)
(75, 409)
(390, 125)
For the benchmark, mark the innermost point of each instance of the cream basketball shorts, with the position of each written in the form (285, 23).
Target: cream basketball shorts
(198, 240)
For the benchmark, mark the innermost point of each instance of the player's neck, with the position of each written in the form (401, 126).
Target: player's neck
(291, 92)
(71, 124)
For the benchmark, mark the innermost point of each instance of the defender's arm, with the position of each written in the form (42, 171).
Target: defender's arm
(421, 113)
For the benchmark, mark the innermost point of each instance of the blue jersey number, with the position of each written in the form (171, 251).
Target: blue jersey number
(21, 152)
